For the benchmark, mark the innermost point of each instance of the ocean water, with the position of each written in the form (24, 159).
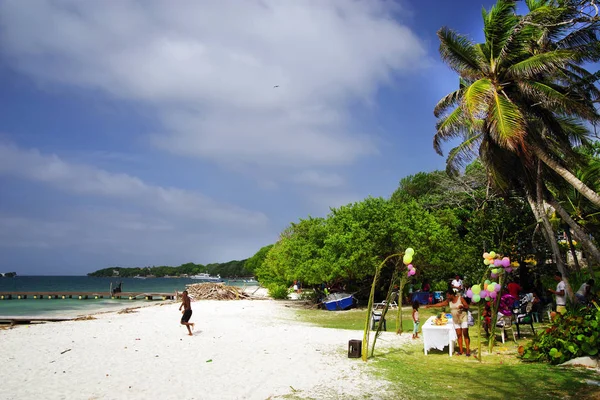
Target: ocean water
(75, 307)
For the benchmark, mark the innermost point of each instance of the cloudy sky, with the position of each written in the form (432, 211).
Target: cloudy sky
(154, 132)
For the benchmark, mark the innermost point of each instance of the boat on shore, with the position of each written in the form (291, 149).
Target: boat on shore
(339, 301)
(206, 277)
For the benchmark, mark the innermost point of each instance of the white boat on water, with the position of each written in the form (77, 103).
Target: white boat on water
(206, 277)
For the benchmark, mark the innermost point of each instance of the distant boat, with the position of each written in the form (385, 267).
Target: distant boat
(8, 274)
(206, 277)
(139, 277)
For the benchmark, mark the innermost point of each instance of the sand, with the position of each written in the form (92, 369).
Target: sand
(248, 349)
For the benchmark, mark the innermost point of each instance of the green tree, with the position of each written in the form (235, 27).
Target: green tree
(256, 261)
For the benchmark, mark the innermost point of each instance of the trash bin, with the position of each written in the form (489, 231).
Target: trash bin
(354, 348)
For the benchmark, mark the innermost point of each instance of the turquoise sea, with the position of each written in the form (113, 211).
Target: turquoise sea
(74, 307)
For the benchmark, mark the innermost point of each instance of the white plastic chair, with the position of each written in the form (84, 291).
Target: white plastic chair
(505, 322)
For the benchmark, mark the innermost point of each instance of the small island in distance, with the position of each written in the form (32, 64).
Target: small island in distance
(230, 269)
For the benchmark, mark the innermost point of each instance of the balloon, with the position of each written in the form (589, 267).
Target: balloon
(409, 251)
(509, 270)
(487, 281)
(412, 272)
(498, 263)
(476, 289)
(488, 298)
(490, 287)
(407, 259)
(486, 255)
(506, 262)
(476, 298)
(486, 261)
(410, 266)
(492, 254)
(493, 275)
(493, 295)
(483, 293)
(497, 288)
(469, 293)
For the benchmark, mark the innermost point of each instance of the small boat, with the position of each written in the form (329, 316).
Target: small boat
(139, 277)
(206, 277)
(339, 301)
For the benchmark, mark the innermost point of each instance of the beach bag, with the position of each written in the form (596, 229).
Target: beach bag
(470, 319)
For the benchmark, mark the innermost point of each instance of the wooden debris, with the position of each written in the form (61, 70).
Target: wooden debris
(128, 310)
(215, 291)
(85, 318)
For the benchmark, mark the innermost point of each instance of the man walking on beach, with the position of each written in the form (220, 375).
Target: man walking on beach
(187, 311)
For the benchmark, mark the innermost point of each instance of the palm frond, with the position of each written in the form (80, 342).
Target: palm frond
(448, 101)
(543, 63)
(462, 154)
(498, 25)
(557, 98)
(459, 53)
(448, 127)
(506, 122)
(476, 97)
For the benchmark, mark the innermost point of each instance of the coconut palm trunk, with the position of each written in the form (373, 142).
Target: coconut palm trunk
(586, 243)
(566, 175)
(572, 248)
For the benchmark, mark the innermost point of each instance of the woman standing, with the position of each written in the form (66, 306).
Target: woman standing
(458, 309)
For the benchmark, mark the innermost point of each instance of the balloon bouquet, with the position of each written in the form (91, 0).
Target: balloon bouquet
(498, 267)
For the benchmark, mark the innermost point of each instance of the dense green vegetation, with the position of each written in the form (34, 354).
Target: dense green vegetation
(231, 269)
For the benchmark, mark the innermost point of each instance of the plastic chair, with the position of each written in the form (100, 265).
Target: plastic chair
(375, 318)
(524, 316)
(505, 322)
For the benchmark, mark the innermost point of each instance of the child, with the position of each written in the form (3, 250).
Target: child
(487, 318)
(415, 317)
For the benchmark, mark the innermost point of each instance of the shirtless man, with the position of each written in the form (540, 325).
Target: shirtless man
(187, 311)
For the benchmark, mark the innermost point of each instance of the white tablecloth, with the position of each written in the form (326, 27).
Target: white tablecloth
(438, 336)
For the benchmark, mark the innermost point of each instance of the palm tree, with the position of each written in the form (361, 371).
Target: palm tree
(523, 99)
(517, 77)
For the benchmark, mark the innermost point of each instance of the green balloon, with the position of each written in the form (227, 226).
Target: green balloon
(475, 298)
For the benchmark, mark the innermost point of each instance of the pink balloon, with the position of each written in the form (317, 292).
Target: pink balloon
(497, 288)
(506, 262)
(493, 294)
(498, 263)
(493, 275)
(410, 266)
(469, 293)
(483, 293)
(412, 272)
(509, 270)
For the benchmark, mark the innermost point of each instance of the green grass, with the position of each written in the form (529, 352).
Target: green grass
(500, 375)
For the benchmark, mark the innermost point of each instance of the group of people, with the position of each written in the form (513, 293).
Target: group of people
(459, 306)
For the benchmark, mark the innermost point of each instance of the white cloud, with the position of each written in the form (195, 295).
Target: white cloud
(88, 180)
(209, 67)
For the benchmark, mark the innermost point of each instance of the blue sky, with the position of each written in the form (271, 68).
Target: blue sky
(139, 133)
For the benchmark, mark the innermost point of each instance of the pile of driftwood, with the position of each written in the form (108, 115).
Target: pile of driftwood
(215, 291)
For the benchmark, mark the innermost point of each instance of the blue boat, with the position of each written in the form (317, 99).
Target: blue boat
(338, 301)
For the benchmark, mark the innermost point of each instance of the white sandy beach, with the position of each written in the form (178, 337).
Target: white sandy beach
(248, 349)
